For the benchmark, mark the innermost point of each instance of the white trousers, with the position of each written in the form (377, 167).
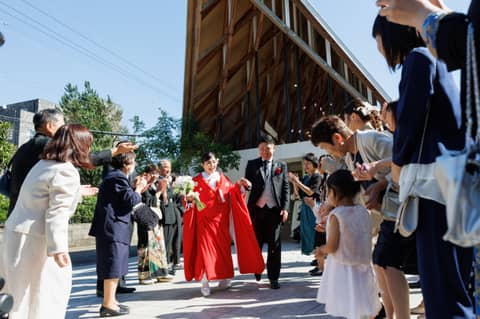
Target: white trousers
(40, 288)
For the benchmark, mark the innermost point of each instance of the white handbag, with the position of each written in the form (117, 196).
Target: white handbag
(410, 182)
(458, 172)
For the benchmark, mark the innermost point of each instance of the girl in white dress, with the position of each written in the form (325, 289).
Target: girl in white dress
(348, 288)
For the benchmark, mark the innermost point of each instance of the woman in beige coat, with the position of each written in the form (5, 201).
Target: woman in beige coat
(35, 260)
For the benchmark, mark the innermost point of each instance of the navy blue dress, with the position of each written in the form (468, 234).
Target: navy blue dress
(443, 267)
(112, 223)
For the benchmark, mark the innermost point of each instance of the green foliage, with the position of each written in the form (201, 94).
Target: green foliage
(4, 202)
(164, 141)
(7, 149)
(200, 143)
(95, 113)
(160, 141)
(85, 210)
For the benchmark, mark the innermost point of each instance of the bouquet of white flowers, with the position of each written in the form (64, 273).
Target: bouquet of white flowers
(184, 185)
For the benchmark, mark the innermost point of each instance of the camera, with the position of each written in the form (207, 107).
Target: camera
(6, 301)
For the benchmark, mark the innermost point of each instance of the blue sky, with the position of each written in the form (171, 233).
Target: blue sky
(149, 35)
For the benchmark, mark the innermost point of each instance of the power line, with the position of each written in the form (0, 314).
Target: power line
(133, 65)
(78, 48)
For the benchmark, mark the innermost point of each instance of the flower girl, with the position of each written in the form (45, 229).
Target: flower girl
(348, 288)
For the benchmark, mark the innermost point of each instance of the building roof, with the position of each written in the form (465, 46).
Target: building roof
(270, 66)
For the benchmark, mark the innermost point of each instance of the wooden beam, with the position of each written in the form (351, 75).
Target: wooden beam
(208, 7)
(260, 5)
(207, 55)
(230, 13)
(258, 33)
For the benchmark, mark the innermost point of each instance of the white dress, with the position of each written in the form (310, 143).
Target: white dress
(348, 287)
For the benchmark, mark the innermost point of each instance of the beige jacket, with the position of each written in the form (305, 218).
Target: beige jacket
(48, 197)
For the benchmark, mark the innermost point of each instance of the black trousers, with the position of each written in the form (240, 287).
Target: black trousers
(267, 225)
(169, 231)
(177, 241)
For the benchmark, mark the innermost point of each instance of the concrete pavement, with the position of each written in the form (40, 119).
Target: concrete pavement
(180, 299)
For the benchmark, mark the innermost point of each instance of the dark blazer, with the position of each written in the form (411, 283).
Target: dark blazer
(172, 208)
(281, 188)
(112, 219)
(24, 159)
(28, 155)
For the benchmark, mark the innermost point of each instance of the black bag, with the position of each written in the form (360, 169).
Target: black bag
(6, 180)
(145, 216)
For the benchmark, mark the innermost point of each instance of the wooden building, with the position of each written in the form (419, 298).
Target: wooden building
(273, 66)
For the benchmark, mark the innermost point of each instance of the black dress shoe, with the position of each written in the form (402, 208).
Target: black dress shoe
(381, 314)
(125, 290)
(314, 262)
(313, 270)
(274, 285)
(414, 285)
(258, 277)
(107, 312)
(121, 306)
(317, 272)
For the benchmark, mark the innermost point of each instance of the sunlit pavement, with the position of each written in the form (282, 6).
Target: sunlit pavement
(180, 299)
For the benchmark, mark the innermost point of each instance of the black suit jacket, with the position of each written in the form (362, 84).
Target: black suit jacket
(281, 188)
(170, 208)
(24, 159)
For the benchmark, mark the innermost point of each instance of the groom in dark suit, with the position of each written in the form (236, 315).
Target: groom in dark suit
(268, 204)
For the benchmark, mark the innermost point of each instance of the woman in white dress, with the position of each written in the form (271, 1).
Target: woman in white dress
(348, 288)
(35, 260)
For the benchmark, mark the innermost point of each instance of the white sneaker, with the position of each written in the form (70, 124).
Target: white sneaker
(225, 283)
(205, 290)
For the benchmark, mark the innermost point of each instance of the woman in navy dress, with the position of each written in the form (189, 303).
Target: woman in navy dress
(111, 228)
(444, 268)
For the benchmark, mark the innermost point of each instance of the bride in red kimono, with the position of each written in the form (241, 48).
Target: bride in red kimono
(207, 240)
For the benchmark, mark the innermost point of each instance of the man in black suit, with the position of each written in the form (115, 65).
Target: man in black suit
(172, 219)
(268, 204)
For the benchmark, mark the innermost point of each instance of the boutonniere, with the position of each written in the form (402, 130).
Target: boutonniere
(278, 170)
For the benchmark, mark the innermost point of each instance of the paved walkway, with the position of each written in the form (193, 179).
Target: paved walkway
(179, 299)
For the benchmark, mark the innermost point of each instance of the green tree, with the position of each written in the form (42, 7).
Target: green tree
(160, 141)
(195, 143)
(163, 140)
(7, 149)
(89, 109)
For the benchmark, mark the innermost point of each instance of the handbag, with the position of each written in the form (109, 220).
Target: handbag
(145, 216)
(407, 215)
(390, 204)
(458, 172)
(6, 180)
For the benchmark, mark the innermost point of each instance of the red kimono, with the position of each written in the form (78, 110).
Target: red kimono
(206, 233)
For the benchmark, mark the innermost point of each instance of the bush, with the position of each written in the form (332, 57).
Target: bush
(85, 210)
(4, 202)
(83, 214)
